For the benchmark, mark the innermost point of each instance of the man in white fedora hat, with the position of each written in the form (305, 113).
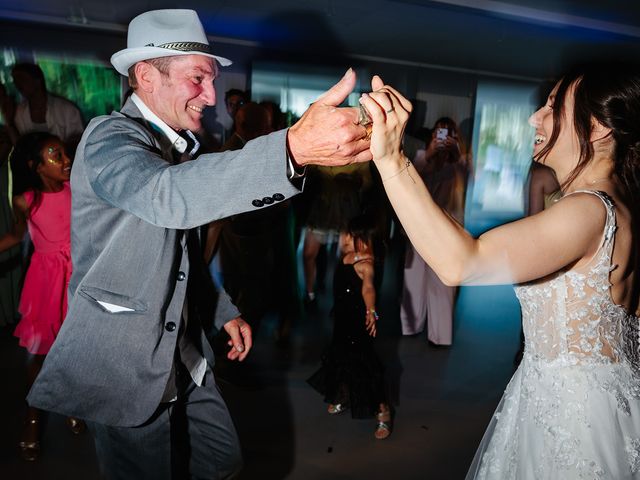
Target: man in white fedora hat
(132, 357)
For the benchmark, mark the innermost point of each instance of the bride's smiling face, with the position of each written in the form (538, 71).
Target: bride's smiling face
(564, 152)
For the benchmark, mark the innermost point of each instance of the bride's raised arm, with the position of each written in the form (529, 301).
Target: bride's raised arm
(520, 251)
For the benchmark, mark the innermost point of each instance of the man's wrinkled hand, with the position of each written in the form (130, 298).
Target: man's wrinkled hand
(240, 341)
(327, 135)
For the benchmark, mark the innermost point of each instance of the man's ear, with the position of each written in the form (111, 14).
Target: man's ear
(146, 75)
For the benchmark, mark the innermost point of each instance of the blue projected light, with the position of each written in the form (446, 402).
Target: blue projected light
(248, 28)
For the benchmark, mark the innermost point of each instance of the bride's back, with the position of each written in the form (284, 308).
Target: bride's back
(575, 316)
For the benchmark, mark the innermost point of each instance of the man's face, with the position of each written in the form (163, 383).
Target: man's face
(233, 103)
(25, 84)
(180, 96)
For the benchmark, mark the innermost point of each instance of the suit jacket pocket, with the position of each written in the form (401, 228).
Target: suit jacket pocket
(112, 302)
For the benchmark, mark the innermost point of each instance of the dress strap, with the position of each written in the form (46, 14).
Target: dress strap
(610, 224)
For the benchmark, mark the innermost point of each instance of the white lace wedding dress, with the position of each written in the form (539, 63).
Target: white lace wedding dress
(572, 409)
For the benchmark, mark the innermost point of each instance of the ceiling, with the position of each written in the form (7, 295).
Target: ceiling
(516, 38)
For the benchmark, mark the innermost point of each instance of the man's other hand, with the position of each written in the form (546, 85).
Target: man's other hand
(240, 341)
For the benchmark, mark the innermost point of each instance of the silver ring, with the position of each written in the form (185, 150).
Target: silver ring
(391, 110)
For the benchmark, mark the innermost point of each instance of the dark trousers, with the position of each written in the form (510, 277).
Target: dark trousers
(191, 438)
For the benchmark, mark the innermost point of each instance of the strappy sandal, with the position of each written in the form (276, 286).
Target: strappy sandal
(383, 428)
(335, 409)
(30, 451)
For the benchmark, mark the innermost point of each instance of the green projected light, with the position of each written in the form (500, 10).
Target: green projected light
(93, 87)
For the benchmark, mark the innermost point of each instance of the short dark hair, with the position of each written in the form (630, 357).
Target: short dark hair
(235, 91)
(31, 69)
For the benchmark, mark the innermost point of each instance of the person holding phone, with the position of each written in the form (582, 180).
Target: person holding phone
(425, 299)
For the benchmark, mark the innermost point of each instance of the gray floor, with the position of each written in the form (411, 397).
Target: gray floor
(443, 399)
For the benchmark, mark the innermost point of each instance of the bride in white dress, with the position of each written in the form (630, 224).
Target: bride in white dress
(572, 409)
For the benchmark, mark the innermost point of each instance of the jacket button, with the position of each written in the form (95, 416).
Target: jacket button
(267, 200)
(278, 197)
(257, 203)
(170, 326)
(181, 276)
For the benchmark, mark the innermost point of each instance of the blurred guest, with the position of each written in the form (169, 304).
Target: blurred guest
(336, 195)
(10, 259)
(8, 110)
(277, 119)
(42, 111)
(425, 298)
(256, 249)
(544, 189)
(233, 100)
(250, 121)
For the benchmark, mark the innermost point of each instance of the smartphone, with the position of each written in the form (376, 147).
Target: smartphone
(441, 133)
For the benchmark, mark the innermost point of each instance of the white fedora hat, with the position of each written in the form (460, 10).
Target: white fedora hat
(163, 33)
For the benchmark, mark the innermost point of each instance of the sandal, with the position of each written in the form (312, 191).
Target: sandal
(335, 409)
(76, 425)
(383, 428)
(30, 450)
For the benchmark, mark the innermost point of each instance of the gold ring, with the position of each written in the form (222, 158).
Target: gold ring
(364, 118)
(368, 129)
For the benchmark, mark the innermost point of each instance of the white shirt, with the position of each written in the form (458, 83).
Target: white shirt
(63, 119)
(178, 142)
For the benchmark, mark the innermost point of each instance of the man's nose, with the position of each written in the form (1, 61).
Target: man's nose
(208, 94)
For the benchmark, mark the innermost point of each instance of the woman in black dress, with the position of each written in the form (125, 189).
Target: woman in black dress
(351, 375)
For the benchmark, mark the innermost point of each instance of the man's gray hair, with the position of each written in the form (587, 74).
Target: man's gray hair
(162, 64)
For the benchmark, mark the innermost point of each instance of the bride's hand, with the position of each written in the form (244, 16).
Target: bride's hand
(390, 112)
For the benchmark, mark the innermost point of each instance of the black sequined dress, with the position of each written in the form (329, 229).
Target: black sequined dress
(351, 372)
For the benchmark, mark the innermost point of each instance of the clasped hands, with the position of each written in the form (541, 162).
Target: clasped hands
(327, 135)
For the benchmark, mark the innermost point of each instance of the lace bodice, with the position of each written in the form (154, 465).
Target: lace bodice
(569, 318)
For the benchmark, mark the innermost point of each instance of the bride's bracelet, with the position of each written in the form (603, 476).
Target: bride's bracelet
(374, 313)
(407, 164)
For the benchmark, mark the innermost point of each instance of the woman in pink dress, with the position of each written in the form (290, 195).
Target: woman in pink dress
(43, 204)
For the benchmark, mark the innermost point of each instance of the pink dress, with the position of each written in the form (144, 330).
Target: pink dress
(43, 303)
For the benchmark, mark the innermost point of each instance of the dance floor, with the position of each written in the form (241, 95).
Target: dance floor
(442, 397)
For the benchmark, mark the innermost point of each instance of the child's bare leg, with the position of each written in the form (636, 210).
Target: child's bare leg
(30, 438)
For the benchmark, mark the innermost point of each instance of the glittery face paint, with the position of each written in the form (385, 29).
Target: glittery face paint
(54, 156)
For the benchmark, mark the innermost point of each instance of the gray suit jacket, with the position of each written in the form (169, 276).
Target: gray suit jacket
(130, 208)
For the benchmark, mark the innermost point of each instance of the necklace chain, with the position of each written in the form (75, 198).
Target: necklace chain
(598, 180)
